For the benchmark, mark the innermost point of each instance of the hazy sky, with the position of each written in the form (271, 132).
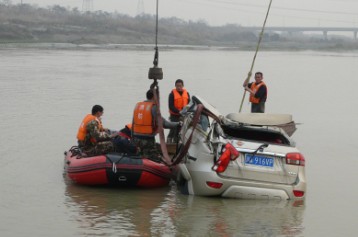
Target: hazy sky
(343, 13)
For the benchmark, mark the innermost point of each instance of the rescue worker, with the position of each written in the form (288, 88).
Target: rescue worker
(144, 127)
(178, 99)
(258, 93)
(122, 142)
(92, 137)
(126, 132)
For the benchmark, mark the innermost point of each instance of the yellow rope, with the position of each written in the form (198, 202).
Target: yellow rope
(257, 49)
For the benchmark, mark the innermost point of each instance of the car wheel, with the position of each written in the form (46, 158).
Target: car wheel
(182, 185)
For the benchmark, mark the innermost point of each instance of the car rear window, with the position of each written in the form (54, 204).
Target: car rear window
(260, 134)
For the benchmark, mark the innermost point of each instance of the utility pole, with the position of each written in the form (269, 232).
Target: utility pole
(140, 8)
(87, 5)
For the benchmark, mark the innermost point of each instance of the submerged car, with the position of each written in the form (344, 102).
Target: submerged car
(244, 156)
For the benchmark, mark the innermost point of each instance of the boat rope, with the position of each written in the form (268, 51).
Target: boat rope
(114, 167)
(76, 151)
(257, 49)
(114, 164)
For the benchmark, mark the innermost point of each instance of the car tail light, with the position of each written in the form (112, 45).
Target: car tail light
(214, 184)
(298, 193)
(295, 159)
(230, 153)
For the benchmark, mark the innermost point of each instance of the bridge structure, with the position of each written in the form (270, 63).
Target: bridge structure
(324, 30)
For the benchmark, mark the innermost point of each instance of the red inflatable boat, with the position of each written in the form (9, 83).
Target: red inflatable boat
(115, 169)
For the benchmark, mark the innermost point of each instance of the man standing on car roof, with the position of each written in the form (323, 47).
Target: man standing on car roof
(258, 93)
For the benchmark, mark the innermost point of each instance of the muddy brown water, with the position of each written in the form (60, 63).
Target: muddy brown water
(45, 93)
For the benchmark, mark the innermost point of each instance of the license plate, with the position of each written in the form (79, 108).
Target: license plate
(258, 160)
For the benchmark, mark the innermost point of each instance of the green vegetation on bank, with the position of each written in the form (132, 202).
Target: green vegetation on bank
(30, 24)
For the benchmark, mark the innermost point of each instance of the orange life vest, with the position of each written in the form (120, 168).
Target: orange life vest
(180, 100)
(255, 88)
(82, 131)
(142, 119)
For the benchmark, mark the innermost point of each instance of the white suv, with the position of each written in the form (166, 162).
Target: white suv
(246, 156)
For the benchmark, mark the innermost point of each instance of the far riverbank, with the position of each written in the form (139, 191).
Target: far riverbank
(335, 47)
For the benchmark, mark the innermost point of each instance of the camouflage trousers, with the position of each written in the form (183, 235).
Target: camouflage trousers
(148, 148)
(99, 149)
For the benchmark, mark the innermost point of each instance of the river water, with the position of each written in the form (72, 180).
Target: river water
(46, 92)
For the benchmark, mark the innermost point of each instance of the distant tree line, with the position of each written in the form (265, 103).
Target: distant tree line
(56, 23)
(30, 23)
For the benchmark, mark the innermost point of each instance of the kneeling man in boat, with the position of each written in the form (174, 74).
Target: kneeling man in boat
(92, 137)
